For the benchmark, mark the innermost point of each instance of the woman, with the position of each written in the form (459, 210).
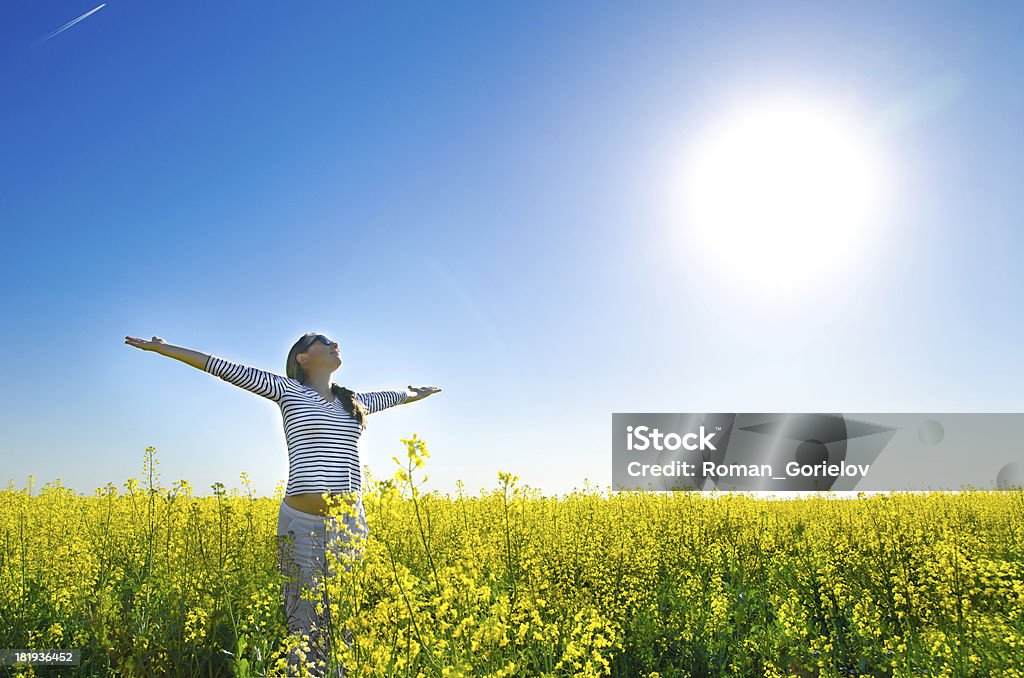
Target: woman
(322, 423)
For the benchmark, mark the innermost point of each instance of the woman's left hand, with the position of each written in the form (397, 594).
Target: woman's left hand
(421, 392)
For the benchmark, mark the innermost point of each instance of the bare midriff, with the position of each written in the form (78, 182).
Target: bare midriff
(314, 504)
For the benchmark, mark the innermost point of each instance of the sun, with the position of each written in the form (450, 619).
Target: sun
(781, 194)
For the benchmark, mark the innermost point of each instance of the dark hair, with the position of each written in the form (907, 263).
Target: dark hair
(347, 396)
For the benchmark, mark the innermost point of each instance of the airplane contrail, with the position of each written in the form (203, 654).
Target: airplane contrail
(70, 24)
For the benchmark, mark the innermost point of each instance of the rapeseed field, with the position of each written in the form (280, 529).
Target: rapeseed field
(151, 581)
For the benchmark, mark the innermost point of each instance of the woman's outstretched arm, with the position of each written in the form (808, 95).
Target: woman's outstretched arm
(375, 401)
(158, 345)
(261, 382)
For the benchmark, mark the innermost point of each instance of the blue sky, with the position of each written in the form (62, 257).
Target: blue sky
(472, 195)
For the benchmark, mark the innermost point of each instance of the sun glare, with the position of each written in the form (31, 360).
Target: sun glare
(781, 194)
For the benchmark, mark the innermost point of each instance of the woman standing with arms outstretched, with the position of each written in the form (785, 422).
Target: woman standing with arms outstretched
(322, 423)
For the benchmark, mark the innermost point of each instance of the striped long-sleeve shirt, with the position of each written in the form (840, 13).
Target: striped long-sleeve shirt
(323, 438)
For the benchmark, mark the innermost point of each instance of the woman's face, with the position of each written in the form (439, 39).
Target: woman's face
(321, 356)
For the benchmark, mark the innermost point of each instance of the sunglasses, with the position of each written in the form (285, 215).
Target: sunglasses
(321, 338)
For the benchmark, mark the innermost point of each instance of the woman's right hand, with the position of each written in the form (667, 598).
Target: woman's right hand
(152, 345)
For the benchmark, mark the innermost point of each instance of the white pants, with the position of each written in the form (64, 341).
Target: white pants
(303, 540)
